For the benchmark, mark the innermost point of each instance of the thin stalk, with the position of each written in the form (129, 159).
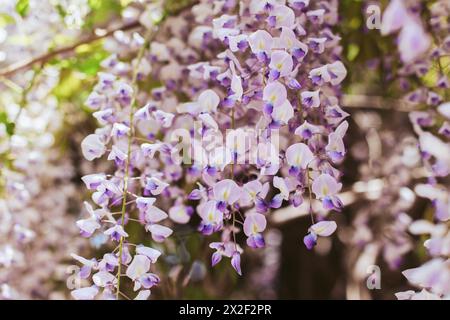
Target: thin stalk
(232, 127)
(140, 55)
(232, 176)
(234, 232)
(310, 195)
(25, 92)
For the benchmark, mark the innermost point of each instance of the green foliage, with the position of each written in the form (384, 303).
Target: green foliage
(101, 12)
(69, 83)
(361, 45)
(352, 51)
(78, 73)
(9, 125)
(88, 58)
(5, 19)
(172, 6)
(22, 7)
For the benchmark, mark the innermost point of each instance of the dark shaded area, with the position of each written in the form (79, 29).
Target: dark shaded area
(305, 274)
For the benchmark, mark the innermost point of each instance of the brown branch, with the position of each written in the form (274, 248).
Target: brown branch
(375, 102)
(21, 65)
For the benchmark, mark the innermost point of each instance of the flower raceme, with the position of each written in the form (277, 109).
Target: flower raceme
(272, 76)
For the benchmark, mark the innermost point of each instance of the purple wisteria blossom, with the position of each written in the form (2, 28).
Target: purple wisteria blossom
(266, 100)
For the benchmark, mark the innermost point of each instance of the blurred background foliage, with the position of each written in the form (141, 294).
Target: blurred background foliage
(290, 270)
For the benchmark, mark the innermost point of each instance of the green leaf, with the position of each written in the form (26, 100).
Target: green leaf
(91, 65)
(61, 11)
(353, 51)
(9, 125)
(5, 19)
(101, 12)
(88, 59)
(68, 85)
(22, 7)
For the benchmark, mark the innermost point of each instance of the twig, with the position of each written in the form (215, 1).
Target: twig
(24, 96)
(69, 50)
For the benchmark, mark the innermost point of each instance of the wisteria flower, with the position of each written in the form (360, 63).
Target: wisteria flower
(116, 232)
(138, 267)
(180, 214)
(104, 279)
(154, 214)
(322, 228)
(274, 94)
(118, 156)
(413, 41)
(119, 130)
(281, 185)
(87, 293)
(311, 99)
(282, 114)
(159, 233)
(87, 267)
(208, 101)
(281, 16)
(212, 217)
(143, 295)
(92, 147)
(307, 130)
(335, 147)
(155, 186)
(108, 263)
(146, 281)
(326, 188)
(298, 4)
(254, 225)
(164, 118)
(93, 181)
(251, 190)
(261, 42)
(150, 253)
(144, 203)
(298, 156)
(317, 45)
(149, 149)
(281, 64)
(88, 226)
(289, 40)
(337, 72)
(394, 17)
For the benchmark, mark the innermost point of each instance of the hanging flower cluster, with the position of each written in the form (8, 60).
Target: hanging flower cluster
(119, 195)
(276, 80)
(245, 118)
(423, 46)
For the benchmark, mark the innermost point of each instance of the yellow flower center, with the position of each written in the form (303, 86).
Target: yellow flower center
(298, 159)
